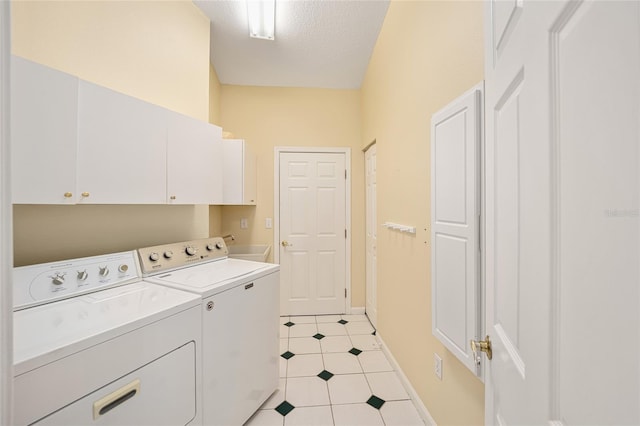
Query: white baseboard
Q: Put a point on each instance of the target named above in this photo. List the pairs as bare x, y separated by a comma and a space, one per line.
357, 310
422, 410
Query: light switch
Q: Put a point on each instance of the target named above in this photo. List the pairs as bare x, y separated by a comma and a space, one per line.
243, 223
268, 223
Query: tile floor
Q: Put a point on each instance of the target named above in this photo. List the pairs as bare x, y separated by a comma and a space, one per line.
332, 372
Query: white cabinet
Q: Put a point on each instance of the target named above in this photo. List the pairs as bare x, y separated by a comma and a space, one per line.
194, 161
239, 173
456, 134
76, 142
44, 117
122, 155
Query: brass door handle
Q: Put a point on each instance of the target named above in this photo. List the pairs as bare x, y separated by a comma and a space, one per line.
285, 243
481, 346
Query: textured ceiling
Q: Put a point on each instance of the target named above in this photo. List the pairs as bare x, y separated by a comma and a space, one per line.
318, 43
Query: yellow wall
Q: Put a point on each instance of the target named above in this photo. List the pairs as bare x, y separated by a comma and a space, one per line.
267, 117
214, 96
157, 51
215, 212
427, 54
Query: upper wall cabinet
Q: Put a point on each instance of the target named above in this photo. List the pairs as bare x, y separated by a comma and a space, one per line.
456, 134
75, 142
194, 162
239, 173
44, 117
122, 153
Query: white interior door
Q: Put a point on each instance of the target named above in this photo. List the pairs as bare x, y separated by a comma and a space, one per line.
562, 208
372, 235
313, 233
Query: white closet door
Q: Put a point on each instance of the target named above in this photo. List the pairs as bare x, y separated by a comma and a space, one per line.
455, 215
313, 241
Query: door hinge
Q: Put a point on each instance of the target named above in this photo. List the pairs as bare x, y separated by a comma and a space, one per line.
345, 173
345, 233
345, 293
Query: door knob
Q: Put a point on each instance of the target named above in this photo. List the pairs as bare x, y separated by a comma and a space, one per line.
286, 244
481, 346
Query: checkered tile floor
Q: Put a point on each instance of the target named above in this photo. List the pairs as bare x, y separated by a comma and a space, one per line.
332, 372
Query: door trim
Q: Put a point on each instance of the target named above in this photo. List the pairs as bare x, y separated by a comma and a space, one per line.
6, 220
276, 205
370, 283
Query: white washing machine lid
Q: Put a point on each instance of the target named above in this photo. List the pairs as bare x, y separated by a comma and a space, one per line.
213, 277
48, 332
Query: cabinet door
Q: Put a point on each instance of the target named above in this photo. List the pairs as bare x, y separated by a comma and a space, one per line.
194, 161
455, 233
239, 171
249, 190
44, 107
122, 152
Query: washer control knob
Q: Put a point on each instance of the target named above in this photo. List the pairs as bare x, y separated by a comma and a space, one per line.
103, 271
123, 268
209, 247
82, 275
190, 250
58, 279
154, 256
168, 254
219, 246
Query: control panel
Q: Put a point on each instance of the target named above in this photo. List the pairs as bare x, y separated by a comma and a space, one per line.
47, 282
168, 257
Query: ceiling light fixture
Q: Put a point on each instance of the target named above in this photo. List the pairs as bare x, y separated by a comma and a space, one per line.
262, 18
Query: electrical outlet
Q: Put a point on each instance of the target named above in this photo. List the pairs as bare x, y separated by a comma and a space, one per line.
437, 366
268, 223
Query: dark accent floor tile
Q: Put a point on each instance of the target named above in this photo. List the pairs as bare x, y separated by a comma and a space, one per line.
343, 322
355, 351
284, 408
375, 402
289, 324
325, 375
288, 355
319, 336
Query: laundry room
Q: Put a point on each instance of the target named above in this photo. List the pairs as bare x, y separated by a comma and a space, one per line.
423, 55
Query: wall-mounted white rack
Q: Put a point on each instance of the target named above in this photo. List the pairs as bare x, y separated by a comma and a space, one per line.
402, 228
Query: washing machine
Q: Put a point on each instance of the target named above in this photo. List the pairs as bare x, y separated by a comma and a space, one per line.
240, 322
94, 344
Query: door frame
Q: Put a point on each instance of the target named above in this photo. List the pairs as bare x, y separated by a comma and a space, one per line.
6, 230
370, 283
276, 205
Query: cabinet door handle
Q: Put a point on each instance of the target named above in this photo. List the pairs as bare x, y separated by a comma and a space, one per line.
85, 194
68, 194
115, 398
248, 286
